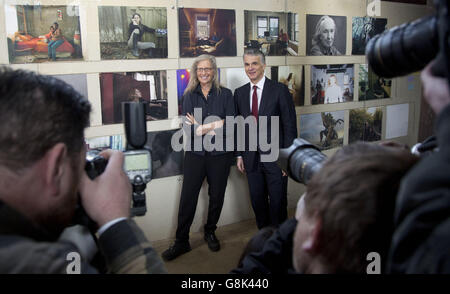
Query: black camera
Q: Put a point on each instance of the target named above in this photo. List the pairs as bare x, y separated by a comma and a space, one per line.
138, 161
301, 160
410, 47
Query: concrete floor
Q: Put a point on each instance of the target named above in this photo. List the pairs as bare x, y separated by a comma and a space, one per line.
200, 260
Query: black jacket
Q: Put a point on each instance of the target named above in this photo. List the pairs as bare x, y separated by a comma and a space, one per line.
28, 249
218, 105
276, 101
421, 240
276, 255
142, 29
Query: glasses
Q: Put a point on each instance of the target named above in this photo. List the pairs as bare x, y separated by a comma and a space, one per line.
204, 69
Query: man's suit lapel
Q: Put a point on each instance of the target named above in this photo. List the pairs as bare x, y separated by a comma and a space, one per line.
265, 96
246, 100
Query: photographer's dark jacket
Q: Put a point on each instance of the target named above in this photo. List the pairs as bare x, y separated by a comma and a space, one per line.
421, 240
216, 104
276, 255
26, 248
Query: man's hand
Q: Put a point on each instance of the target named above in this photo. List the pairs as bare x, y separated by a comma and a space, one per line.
108, 196
435, 89
240, 164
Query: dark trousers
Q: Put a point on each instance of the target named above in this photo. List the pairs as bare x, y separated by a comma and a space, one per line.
268, 193
196, 167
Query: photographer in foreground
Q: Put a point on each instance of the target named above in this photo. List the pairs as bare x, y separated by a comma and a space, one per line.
421, 241
42, 158
345, 214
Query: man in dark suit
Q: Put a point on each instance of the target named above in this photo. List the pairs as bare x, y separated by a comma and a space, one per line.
269, 100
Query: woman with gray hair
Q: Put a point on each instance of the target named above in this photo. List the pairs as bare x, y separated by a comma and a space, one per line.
323, 38
205, 105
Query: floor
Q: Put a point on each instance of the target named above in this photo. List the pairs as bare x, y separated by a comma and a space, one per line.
200, 260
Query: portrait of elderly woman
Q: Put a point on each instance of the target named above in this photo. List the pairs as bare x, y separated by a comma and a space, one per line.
326, 35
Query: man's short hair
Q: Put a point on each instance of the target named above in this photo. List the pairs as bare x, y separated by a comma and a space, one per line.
256, 52
354, 194
38, 112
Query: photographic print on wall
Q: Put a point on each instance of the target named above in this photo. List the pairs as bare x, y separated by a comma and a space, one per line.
115, 142
332, 83
165, 161
292, 77
207, 31
40, 33
149, 86
365, 124
397, 117
129, 32
364, 29
77, 81
274, 33
325, 130
235, 78
326, 35
371, 86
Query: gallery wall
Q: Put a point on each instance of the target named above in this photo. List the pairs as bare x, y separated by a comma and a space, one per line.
395, 117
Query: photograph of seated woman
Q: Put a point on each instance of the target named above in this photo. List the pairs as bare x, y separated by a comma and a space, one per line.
136, 31
55, 42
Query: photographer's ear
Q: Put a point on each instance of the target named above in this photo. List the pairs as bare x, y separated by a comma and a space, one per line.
312, 242
56, 162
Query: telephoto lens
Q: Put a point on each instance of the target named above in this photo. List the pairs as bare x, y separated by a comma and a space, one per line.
404, 49
301, 160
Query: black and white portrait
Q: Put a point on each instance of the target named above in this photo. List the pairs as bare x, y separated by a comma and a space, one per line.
326, 35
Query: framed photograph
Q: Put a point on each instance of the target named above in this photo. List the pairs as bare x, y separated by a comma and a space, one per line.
372, 86
397, 117
274, 33
207, 31
292, 77
235, 77
365, 124
364, 29
326, 35
129, 32
165, 161
115, 142
41, 33
149, 86
77, 81
332, 83
325, 130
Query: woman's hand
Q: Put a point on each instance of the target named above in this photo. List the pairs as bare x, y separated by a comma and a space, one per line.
190, 120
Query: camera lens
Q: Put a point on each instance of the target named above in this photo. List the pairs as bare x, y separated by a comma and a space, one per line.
404, 49
302, 160
305, 163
